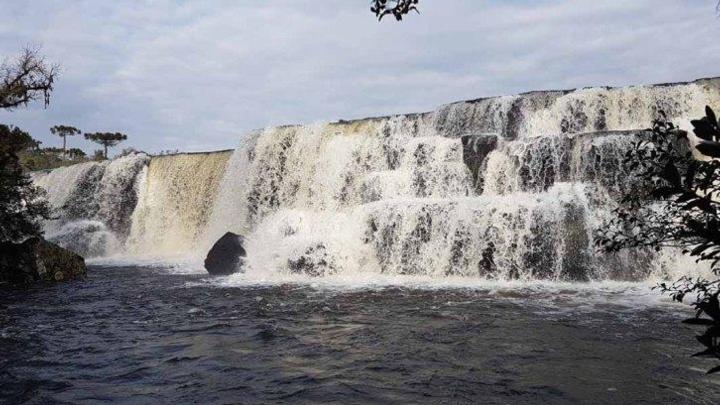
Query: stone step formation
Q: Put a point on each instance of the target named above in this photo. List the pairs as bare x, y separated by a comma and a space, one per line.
503, 188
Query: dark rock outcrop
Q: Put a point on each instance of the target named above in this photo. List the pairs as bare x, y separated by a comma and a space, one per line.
37, 260
226, 255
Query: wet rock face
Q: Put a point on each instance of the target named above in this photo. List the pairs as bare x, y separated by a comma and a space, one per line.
475, 150
93, 203
226, 255
37, 260
315, 262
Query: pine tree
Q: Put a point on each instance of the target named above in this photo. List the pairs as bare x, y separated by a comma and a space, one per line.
64, 131
106, 139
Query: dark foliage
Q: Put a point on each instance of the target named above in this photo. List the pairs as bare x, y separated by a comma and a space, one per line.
22, 205
75, 153
396, 8
679, 208
50, 158
25, 79
106, 139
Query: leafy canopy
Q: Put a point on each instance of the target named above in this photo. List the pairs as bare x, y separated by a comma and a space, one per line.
106, 139
64, 130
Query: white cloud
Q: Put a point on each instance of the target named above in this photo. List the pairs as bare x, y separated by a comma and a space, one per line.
192, 75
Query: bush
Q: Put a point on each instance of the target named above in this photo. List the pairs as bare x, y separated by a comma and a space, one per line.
678, 208
22, 204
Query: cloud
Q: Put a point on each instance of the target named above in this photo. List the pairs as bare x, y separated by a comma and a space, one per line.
198, 75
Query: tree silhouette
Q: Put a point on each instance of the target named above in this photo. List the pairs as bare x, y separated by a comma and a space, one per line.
22, 204
64, 131
106, 139
25, 79
677, 206
397, 8
76, 153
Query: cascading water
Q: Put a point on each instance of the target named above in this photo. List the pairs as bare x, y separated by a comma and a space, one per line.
502, 188
92, 203
176, 195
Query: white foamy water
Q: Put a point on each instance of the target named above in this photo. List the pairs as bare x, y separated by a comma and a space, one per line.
488, 191
92, 203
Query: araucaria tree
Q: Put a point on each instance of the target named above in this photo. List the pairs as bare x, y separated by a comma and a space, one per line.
106, 139
64, 131
22, 205
677, 206
27, 78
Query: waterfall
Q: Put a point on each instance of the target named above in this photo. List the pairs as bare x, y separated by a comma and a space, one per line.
92, 203
176, 196
502, 188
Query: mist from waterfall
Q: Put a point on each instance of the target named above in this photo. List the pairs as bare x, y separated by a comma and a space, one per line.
499, 188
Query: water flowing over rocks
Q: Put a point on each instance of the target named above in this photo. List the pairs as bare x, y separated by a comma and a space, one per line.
92, 203
175, 198
503, 188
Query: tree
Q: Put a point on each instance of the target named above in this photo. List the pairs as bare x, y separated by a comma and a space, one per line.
22, 205
398, 8
106, 139
64, 131
678, 207
98, 155
76, 153
27, 78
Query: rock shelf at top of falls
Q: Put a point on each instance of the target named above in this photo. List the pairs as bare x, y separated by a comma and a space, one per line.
505, 187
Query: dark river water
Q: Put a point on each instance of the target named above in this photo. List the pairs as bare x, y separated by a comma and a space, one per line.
146, 335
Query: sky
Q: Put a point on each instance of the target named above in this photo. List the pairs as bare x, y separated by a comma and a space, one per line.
198, 75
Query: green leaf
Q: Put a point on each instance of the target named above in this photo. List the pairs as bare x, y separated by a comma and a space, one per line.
705, 340
701, 203
705, 353
685, 197
671, 174
710, 115
698, 321
699, 249
704, 129
713, 331
709, 148
713, 370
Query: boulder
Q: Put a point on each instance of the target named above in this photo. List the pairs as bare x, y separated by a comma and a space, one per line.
37, 260
226, 255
